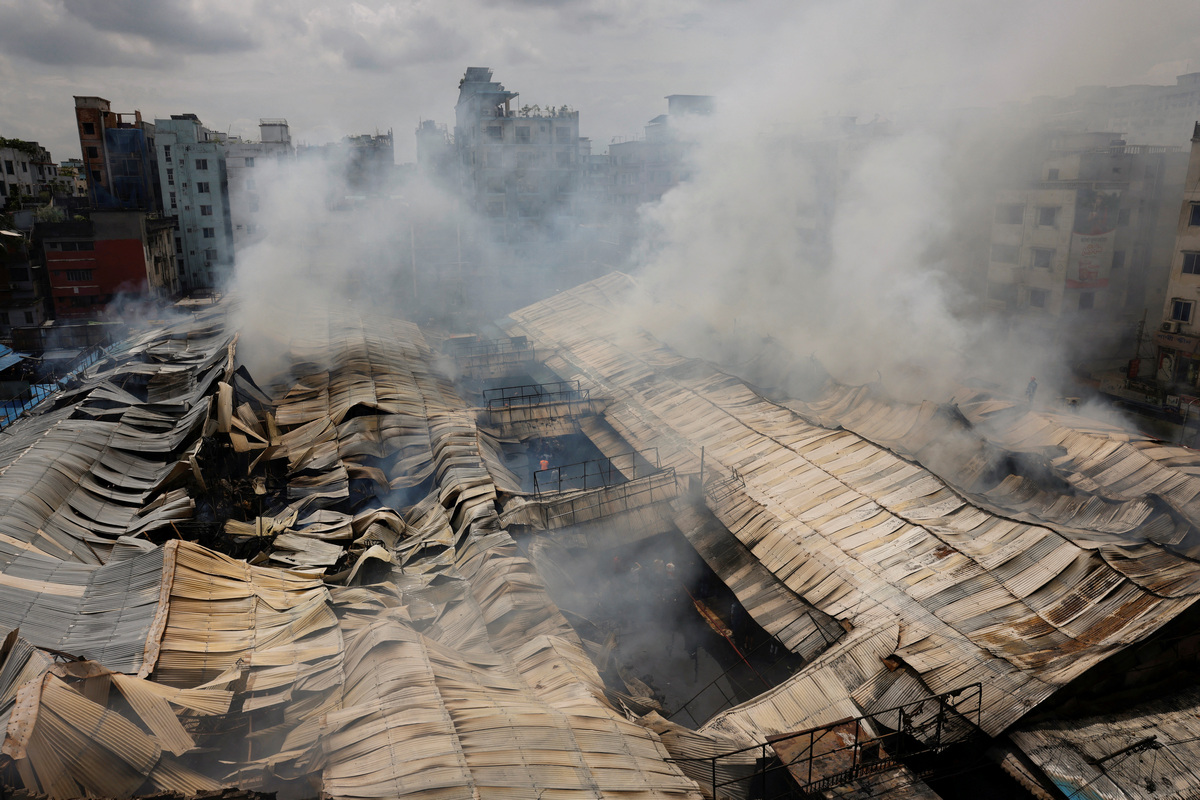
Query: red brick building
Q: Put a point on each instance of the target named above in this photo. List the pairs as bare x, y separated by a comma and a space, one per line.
91, 263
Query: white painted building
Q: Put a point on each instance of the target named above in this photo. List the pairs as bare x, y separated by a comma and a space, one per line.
195, 191
250, 166
26, 169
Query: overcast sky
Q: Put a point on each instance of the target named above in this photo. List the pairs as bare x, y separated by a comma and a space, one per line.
335, 68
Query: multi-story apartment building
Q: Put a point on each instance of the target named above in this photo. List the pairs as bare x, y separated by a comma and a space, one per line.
1161, 115
23, 292
250, 166
92, 262
195, 189
1177, 367
73, 177
118, 157
520, 168
26, 170
643, 170
1079, 252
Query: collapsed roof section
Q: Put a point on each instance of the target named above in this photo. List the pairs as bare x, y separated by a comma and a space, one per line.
144, 667
941, 588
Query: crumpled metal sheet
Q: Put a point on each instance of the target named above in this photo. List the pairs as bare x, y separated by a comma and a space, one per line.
867, 536
435, 683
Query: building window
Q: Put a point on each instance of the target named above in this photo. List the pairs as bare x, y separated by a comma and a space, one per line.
1003, 292
1123, 216
249, 161
1052, 175
89, 128
1118, 259
1191, 263
202, 187
1194, 219
8, 167
1038, 297
523, 134
1181, 310
28, 317
250, 183
1043, 257
254, 203
95, 176
1010, 214
79, 274
93, 152
171, 195
1048, 216
209, 233
167, 152
206, 211
201, 163
179, 246
170, 177
495, 131
1087, 300
4, 318
563, 157
1005, 253
251, 228
211, 254
562, 135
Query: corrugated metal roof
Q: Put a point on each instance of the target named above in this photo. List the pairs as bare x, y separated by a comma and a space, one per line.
878, 541
457, 676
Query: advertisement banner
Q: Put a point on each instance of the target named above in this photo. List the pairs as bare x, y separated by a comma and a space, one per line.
1092, 238
1091, 257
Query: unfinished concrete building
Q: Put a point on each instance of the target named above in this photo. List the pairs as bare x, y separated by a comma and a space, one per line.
413, 566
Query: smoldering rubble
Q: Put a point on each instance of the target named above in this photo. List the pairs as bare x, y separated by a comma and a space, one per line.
311, 584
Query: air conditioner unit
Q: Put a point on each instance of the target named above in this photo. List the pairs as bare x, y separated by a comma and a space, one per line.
1171, 326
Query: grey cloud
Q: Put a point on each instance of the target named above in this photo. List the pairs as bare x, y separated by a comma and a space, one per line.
173, 24
418, 41
39, 32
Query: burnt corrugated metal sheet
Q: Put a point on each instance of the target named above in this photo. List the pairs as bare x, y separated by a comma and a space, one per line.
455, 677
1090, 757
869, 537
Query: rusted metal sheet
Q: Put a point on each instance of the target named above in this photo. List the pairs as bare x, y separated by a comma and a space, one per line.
1022, 604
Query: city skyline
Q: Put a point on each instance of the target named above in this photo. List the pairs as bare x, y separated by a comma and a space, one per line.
338, 70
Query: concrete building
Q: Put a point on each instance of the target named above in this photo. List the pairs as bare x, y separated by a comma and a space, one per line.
1079, 252
1160, 115
118, 157
23, 292
248, 165
520, 168
73, 177
435, 152
26, 171
195, 189
1177, 365
645, 169
91, 263
359, 165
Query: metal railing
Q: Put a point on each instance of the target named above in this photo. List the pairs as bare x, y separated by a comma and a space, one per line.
597, 472
12, 408
721, 486
839, 753
574, 509
535, 394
